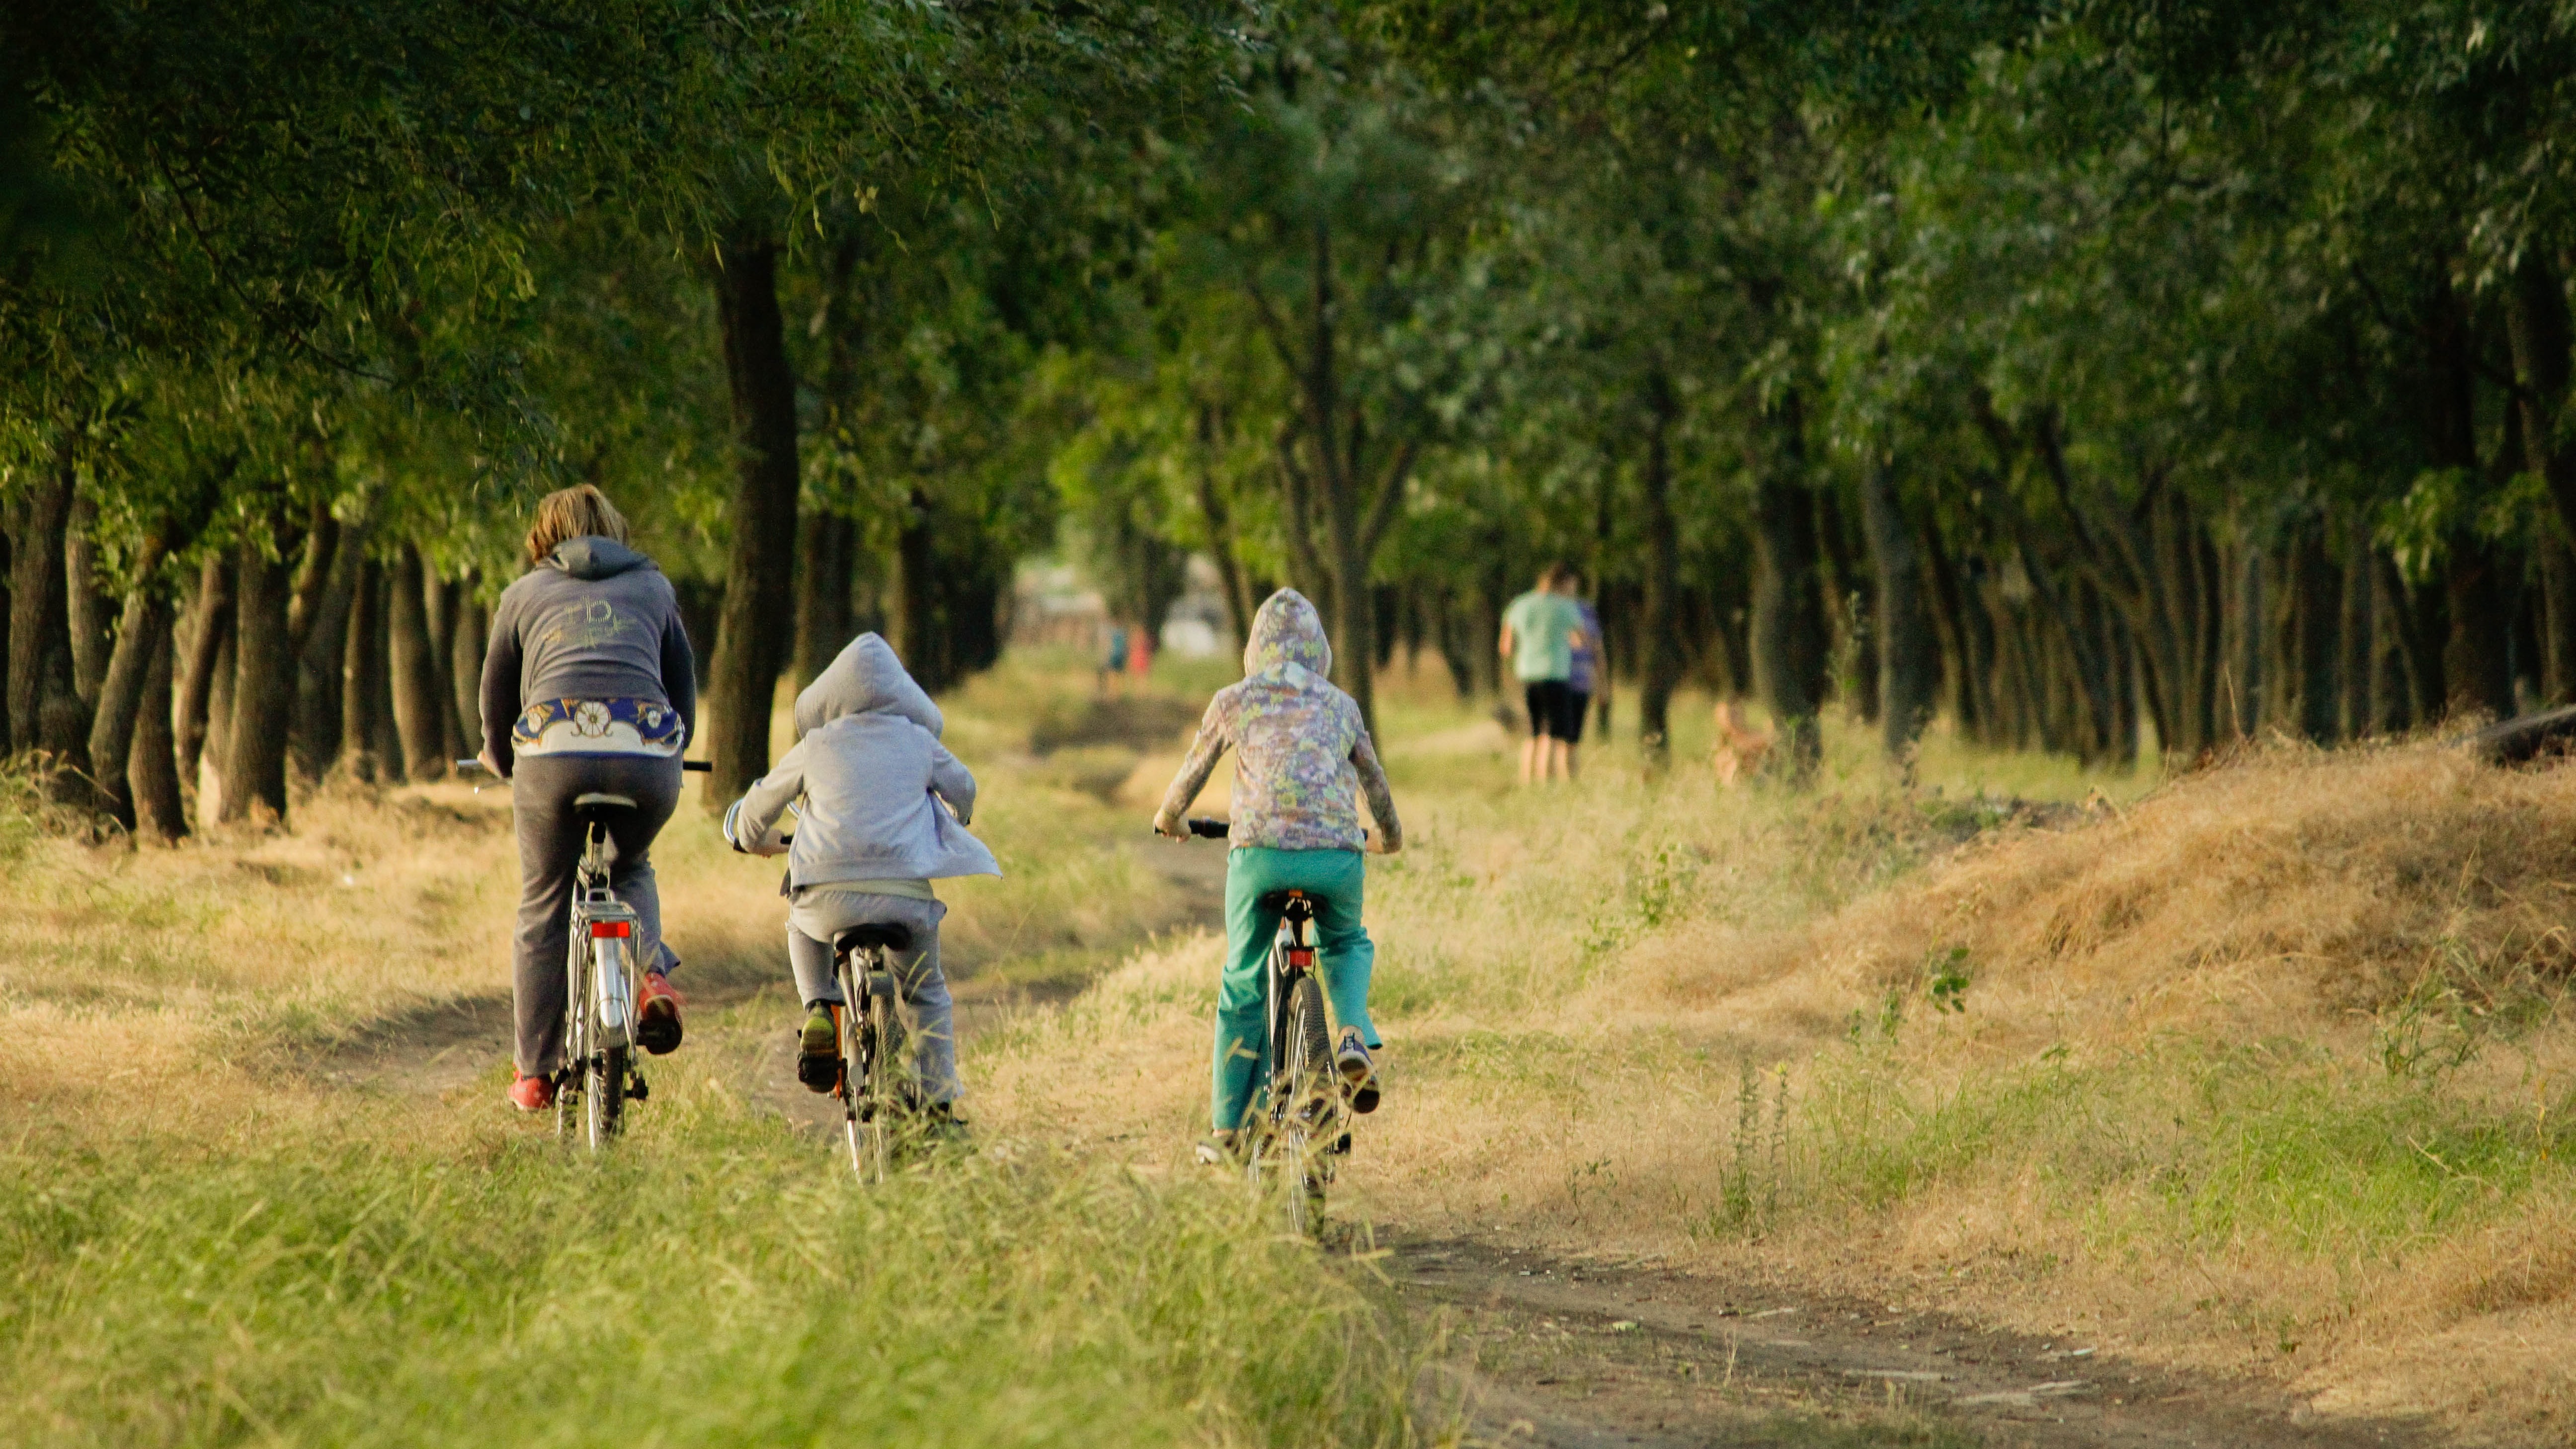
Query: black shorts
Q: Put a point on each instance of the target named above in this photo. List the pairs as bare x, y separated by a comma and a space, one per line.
1554, 710
1578, 703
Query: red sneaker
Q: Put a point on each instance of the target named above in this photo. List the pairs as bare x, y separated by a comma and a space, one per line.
657, 1015
531, 1094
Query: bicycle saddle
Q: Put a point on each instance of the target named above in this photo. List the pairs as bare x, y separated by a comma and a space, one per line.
597, 801
893, 935
1279, 900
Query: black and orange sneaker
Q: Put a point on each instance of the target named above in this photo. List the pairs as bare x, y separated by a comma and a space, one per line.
657, 1015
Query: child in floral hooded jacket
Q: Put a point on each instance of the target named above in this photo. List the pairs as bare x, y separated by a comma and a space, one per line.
1303, 760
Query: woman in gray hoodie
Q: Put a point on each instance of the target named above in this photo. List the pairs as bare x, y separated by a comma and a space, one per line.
588, 686
882, 810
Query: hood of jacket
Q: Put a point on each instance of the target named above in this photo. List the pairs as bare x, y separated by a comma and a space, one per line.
866, 679
1287, 630
593, 557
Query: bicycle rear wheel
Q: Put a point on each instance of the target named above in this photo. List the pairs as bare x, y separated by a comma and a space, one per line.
603, 1095
1299, 1104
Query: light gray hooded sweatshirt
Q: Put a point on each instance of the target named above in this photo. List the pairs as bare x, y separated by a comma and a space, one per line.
868, 777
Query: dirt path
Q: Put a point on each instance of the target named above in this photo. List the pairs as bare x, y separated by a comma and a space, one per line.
1555, 1353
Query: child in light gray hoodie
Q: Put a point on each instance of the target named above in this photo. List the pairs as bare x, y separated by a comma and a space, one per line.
882, 809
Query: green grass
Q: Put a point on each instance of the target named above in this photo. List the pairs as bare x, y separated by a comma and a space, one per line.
718, 1281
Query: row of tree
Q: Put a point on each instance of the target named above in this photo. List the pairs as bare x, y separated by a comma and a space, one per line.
2100, 373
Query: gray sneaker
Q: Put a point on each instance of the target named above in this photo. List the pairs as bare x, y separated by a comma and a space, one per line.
1359, 1074
1217, 1149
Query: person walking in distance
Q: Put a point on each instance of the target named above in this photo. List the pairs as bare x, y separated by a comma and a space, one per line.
1585, 671
1540, 631
588, 686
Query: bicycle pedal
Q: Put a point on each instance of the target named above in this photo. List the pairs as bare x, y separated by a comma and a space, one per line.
643, 1089
1341, 1146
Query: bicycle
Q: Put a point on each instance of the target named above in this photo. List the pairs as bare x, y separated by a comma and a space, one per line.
873, 1092
599, 1076
1305, 1121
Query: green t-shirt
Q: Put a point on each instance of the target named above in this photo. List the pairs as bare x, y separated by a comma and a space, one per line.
1542, 626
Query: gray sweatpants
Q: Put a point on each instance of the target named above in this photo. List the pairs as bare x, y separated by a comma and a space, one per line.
815, 916
542, 788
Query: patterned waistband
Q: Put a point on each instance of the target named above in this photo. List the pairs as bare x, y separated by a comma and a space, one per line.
599, 727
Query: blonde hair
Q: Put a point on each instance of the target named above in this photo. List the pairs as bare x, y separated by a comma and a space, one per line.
579, 512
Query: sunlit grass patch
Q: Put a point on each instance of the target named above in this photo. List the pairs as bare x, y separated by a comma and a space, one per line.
715, 1282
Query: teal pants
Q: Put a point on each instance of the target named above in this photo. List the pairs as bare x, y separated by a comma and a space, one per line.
1347, 957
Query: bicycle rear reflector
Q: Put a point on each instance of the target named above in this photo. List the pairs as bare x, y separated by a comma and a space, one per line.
1302, 960
612, 928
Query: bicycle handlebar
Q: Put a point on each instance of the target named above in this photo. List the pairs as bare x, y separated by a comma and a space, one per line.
1206, 829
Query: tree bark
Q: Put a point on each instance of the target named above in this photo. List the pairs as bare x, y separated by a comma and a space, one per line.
1219, 518
1659, 655
915, 615
2359, 622
210, 623
825, 546
465, 666
40, 657
1789, 644
85, 610
2537, 329
320, 660
756, 625
151, 770
440, 601
144, 622
418, 683
2318, 621
1909, 660
263, 691
363, 673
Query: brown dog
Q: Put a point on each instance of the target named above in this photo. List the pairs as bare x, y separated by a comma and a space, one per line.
1740, 748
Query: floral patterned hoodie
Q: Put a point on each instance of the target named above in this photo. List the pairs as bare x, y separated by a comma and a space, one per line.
1305, 757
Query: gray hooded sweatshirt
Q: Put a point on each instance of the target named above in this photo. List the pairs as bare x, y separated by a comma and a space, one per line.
595, 621
867, 775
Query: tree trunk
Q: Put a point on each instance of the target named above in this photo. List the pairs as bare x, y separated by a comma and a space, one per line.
440, 599
2359, 621
418, 683
2475, 664
915, 615
825, 545
151, 770
263, 691
218, 753
1849, 612
465, 667
139, 635
85, 610
40, 646
2318, 600
210, 623
2536, 327
1789, 644
321, 657
757, 623
363, 673
1909, 659
1219, 518
1659, 655
2557, 579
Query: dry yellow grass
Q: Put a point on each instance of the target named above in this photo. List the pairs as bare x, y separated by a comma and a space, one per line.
2264, 1073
